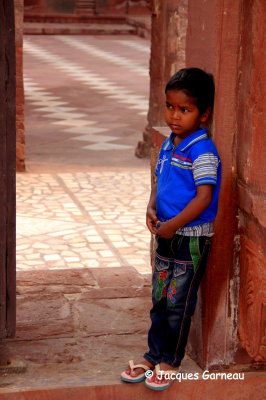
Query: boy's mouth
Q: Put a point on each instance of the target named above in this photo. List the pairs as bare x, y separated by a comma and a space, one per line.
175, 126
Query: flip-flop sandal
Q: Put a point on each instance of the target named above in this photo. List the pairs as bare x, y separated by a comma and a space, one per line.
127, 378
159, 385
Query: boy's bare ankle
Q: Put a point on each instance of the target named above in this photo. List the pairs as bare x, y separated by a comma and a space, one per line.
164, 366
146, 362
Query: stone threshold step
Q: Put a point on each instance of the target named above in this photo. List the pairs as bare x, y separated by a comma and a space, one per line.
73, 18
253, 387
32, 28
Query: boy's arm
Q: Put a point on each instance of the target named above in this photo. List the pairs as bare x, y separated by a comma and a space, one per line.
194, 208
151, 217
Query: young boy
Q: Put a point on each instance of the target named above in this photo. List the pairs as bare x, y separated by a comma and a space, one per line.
181, 210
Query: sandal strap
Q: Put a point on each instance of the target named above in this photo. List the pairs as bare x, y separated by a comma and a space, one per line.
133, 366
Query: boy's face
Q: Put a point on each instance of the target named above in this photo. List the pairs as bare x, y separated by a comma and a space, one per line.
182, 114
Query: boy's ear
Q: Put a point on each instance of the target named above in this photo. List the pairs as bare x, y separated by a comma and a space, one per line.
205, 116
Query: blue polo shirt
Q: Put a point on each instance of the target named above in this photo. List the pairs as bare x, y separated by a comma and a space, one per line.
195, 161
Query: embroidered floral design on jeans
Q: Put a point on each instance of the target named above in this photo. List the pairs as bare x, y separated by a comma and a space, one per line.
172, 292
161, 287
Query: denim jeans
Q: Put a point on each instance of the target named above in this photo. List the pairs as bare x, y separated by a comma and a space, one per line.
180, 264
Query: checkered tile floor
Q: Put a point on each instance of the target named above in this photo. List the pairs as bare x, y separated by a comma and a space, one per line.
82, 201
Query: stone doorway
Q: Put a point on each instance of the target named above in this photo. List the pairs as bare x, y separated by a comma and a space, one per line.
7, 171
82, 245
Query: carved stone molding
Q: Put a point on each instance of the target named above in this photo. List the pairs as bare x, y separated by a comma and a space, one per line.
252, 304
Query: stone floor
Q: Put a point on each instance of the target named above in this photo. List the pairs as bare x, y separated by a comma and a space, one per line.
77, 327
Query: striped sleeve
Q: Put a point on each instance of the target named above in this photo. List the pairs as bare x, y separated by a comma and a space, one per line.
205, 169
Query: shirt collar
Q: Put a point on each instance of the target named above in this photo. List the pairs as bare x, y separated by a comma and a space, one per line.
200, 134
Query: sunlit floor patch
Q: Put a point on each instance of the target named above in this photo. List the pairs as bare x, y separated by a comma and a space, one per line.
88, 219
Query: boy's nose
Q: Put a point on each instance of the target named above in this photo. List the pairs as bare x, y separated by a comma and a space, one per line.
176, 114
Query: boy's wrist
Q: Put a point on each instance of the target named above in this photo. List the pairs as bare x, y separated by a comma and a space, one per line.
173, 224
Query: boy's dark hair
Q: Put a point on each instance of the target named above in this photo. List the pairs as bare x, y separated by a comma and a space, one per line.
195, 83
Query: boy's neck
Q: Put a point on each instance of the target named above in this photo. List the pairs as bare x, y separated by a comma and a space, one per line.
178, 139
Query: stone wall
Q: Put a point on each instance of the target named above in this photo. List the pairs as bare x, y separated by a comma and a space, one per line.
124, 6
251, 182
69, 6
49, 6
20, 130
226, 38
213, 44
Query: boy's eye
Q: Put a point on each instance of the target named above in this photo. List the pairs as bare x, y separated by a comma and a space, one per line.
169, 106
184, 110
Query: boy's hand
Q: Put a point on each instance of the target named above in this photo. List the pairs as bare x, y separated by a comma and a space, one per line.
151, 220
165, 229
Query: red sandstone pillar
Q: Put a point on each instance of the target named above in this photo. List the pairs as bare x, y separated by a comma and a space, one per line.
217, 31
226, 38
168, 33
251, 182
213, 44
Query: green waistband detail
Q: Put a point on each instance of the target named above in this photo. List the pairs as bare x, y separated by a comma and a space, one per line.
194, 251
